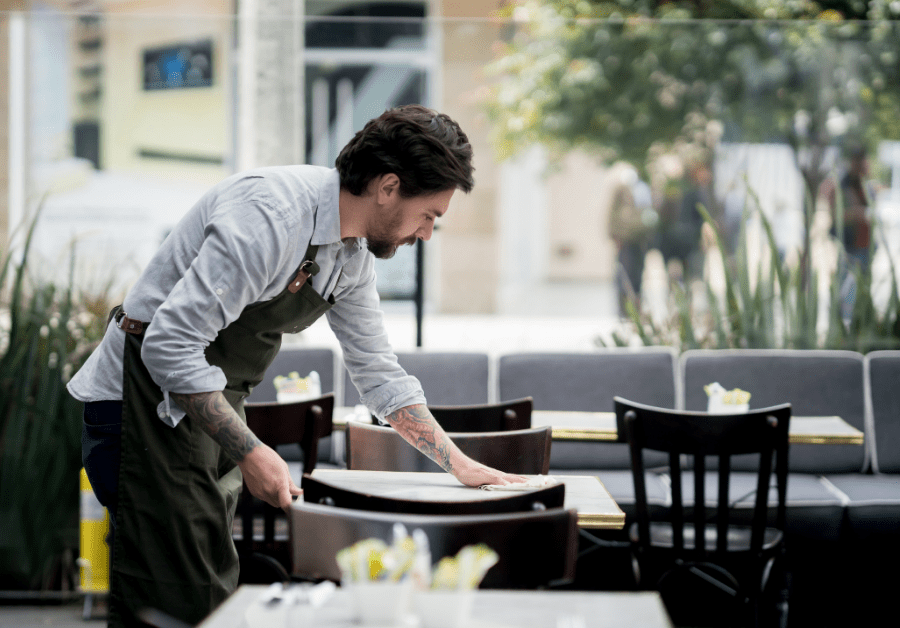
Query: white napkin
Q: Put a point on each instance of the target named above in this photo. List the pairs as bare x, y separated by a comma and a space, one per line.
538, 481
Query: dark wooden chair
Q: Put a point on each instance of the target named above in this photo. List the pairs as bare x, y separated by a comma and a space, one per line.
708, 554
380, 448
491, 417
316, 491
267, 559
535, 549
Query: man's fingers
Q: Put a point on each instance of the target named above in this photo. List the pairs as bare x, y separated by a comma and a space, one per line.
295, 490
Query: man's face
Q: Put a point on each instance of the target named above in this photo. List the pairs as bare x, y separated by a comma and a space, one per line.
405, 220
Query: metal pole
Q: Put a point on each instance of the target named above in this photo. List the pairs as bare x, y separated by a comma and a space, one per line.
420, 289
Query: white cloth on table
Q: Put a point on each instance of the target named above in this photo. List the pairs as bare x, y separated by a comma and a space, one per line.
538, 481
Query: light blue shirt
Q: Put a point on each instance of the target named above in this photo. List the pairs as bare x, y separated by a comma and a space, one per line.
241, 244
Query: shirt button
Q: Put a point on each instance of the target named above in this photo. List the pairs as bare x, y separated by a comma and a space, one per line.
219, 291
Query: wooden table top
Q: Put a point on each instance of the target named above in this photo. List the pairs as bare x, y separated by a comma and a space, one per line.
586, 494
601, 426
246, 608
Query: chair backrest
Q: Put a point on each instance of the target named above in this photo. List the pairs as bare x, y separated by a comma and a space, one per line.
300, 422
316, 491
535, 549
814, 382
447, 378
588, 382
300, 359
303, 423
493, 417
694, 437
379, 448
884, 376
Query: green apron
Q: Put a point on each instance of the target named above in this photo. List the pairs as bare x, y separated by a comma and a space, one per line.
178, 491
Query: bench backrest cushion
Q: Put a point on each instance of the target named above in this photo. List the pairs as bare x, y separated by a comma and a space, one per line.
814, 382
588, 382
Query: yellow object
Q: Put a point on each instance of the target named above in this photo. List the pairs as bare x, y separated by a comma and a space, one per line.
94, 558
736, 396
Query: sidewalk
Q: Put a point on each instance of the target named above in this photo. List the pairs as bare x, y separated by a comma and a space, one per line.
66, 615
564, 316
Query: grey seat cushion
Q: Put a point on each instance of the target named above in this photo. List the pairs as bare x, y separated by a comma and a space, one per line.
873, 503
447, 378
588, 382
815, 383
300, 359
814, 509
884, 377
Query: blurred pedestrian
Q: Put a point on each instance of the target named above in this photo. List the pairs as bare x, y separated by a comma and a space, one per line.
631, 219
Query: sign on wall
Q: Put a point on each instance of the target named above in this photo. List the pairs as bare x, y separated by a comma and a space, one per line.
179, 66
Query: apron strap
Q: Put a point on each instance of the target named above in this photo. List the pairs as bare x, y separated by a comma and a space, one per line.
128, 325
307, 270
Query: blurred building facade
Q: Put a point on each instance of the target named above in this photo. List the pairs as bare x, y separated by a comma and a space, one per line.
133, 108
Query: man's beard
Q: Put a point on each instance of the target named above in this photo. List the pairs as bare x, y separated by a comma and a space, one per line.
382, 243
385, 249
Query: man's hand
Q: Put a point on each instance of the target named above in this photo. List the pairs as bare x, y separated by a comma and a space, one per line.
418, 427
265, 472
479, 475
267, 477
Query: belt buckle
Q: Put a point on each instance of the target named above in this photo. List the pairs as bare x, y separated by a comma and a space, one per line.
134, 327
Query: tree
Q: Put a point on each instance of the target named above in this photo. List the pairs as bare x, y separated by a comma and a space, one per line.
637, 79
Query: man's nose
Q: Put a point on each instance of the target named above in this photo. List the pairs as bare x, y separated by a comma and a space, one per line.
425, 232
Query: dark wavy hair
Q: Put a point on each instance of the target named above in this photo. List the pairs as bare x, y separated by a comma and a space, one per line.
427, 150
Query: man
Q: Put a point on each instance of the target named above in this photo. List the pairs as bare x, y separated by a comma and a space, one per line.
631, 217
855, 198
265, 252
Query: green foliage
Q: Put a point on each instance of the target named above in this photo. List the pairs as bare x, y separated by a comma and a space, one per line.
772, 304
636, 80
44, 335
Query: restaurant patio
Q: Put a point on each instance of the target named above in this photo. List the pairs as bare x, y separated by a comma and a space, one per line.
669, 195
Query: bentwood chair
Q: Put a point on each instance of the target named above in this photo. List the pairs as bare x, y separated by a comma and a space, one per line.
317, 491
379, 448
301, 359
493, 417
266, 558
708, 553
817, 383
535, 549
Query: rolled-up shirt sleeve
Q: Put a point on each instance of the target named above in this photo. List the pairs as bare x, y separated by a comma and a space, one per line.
358, 324
241, 253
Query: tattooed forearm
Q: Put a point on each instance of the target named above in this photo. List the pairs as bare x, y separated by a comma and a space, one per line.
220, 421
417, 426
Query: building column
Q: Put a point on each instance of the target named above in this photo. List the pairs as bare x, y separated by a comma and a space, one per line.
13, 38
470, 243
270, 92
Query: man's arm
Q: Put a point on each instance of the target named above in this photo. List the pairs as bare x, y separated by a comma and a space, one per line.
265, 472
418, 427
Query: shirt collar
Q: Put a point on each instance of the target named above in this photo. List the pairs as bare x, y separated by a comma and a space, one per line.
328, 216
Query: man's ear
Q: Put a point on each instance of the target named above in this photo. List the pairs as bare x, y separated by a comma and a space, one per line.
388, 186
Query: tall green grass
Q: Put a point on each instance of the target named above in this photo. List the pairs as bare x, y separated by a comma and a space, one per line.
772, 304
45, 333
